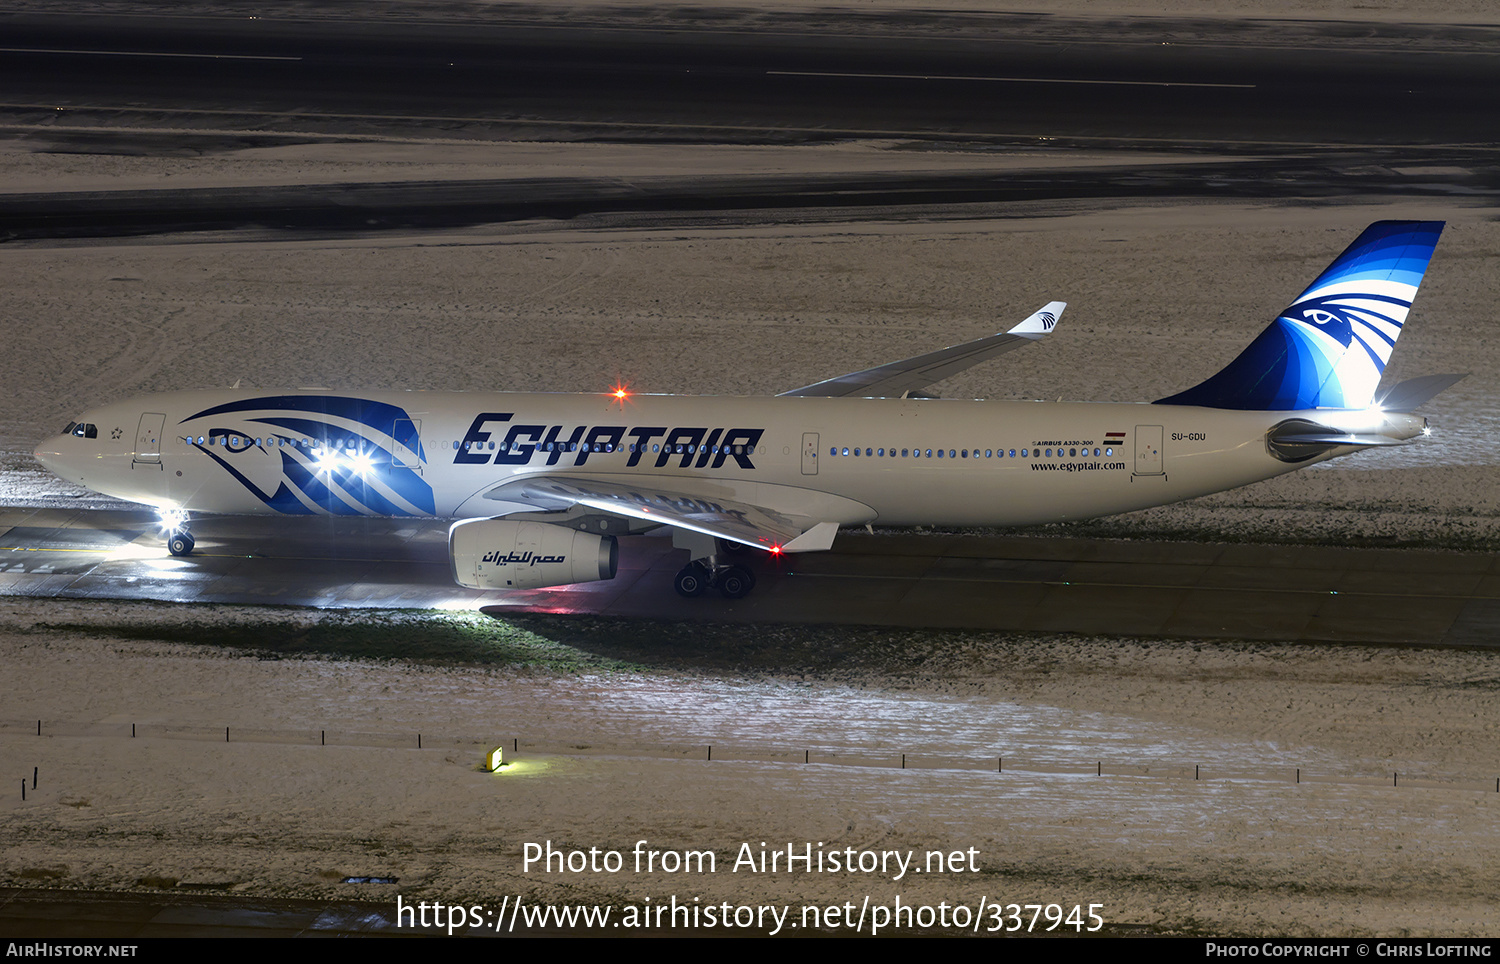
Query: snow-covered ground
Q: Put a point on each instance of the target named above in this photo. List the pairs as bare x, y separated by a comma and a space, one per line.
612, 757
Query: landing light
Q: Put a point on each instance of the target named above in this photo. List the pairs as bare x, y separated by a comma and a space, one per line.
171, 519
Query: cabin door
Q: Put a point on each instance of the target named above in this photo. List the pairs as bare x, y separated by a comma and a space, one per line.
809, 453
148, 438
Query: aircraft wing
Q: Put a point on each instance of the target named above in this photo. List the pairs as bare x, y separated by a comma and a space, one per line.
912, 374
724, 518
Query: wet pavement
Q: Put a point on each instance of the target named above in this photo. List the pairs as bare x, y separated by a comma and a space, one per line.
1011, 583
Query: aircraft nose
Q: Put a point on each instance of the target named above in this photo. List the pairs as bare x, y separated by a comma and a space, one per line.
49, 453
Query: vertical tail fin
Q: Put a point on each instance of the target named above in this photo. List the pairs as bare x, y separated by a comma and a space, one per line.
1329, 348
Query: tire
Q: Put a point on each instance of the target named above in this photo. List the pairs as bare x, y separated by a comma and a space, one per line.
180, 543
690, 581
736, 582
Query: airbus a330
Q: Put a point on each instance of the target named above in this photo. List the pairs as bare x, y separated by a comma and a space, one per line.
541, 485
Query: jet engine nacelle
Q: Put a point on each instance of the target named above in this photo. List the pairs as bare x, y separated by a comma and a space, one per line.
496, 554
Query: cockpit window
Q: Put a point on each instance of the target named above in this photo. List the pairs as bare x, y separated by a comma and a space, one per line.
82, 430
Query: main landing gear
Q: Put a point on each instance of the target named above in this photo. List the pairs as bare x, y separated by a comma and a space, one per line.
734, 582
705, 571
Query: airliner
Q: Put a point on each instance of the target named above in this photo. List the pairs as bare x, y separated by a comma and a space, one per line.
541, 486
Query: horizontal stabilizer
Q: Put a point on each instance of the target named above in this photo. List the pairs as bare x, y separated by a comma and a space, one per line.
911, 375
1412, 394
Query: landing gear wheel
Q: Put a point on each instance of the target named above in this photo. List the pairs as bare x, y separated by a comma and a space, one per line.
180, 543
691, 580
736, 582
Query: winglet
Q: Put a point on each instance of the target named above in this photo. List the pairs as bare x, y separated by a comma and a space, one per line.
1041, 322
817, 539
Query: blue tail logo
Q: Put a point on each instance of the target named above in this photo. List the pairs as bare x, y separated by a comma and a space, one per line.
1330, 347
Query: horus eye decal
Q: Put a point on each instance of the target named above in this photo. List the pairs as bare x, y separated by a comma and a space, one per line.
367, 459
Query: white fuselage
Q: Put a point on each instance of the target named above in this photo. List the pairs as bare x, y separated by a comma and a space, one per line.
434, 454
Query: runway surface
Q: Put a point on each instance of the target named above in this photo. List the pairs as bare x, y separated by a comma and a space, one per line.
1010, 583
1306, 109
797, 71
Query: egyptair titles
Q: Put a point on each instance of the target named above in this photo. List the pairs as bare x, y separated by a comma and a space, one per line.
692, 447
502, 558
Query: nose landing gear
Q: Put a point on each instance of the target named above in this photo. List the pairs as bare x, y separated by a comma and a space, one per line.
174, 523
180, 542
